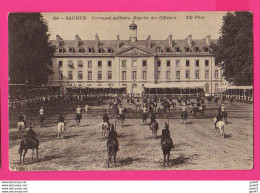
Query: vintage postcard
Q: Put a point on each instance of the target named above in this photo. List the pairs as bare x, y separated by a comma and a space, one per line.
131, 91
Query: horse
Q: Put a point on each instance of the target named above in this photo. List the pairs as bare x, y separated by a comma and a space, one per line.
61, 128
224, 114
21, 128
28, 144
198, 110
121, 117
112, 150
145, 116
220, 125
87, 109
104, 127
166, 148
154, 127
138, 105
78, 118
184, 116
41, 120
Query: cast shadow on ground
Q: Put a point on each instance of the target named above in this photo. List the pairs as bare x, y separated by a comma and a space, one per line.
126, 161
228, 136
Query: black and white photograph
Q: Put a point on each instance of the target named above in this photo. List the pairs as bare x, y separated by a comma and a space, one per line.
102, 91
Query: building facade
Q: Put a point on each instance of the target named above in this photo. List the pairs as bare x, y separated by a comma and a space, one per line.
135, 64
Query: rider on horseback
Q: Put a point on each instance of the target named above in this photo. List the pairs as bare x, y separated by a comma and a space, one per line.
41, 112
78, 111
106, 118
113, 136
61, 119
223, 107
183, 109
31, 135
166, 134
22, 118
219, 117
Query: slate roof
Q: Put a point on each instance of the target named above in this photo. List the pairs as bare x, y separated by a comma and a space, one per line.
119, 45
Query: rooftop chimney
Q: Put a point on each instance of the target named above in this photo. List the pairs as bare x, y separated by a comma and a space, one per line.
208, 40
149, 42
170, 41
118, 41
96, 40
77, 37
190, 40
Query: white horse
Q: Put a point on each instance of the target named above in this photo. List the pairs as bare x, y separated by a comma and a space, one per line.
104, 127
21, 128
61, 128
220, 125
87, 109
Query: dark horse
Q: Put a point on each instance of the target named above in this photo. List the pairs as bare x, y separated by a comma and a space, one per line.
154, 127
145, 116
28, 144
112, 150
198, 110
78, 118
41, 120
166, 148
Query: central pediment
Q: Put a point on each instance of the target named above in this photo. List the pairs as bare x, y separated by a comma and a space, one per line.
134, 51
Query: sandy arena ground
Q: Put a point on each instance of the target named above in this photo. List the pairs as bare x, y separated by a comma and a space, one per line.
198, 145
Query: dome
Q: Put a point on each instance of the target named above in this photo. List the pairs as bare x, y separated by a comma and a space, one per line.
133, 25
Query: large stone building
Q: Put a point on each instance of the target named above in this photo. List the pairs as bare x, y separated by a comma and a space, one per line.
135, 64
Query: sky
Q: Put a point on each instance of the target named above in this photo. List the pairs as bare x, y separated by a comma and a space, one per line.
177, 24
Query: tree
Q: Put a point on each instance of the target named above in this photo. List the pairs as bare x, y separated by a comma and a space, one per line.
30, 51
234, 49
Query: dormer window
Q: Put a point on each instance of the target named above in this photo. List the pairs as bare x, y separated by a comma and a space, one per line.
71, 50
90, 50
197, 49
206, 49
187, 49
177, 49
168, 50
61, 50
81, 50
100, 50
158, 50
109, 50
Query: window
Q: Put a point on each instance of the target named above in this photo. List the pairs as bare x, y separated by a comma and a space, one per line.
206, 74
100, 64
168, 75
90, 50
144, 75
178, 63
60, 75
178, 75
123, 75
80, 64
177, 49
158, 50
60, 50
134, 75
109, 75
207, 88
100, 50
89, 75
70, 75
124, 64
80, 75
134, 63
197, 50
206, 63
110, 50
89, 64
60, 64
168, 50
206, 49
216, 74
81, 50
109, 63
197, 63
70, 64
168, 63
158, 75
158, 64
187, 74
99, 75
216, 87
187, 63
144, 63
71, 50
197, 74
187, 49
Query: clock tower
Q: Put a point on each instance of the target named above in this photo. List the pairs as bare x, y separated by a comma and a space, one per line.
133, 32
